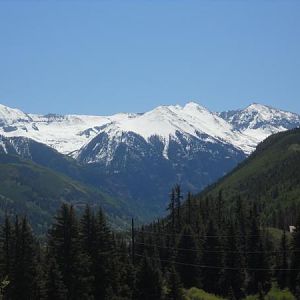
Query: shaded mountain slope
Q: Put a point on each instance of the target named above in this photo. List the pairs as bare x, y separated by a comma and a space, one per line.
28, 188
270, 175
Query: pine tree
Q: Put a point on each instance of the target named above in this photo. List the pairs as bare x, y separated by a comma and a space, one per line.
189, 209
233, 273
282, 274
6, 243
187, 254
175, 291
220, 207
65, 248
39, 284
149, 281
171, 209
178, 198
212, 258
6, 257
257, 261
54, 286
295, 264
126, 272
241, 225
231, 294
296, 287
23, 279
106, 260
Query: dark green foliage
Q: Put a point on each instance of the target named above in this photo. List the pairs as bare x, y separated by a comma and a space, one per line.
171, 209
7, 248
272, 174
296, 287
65, 248
283, 275
187, 253
234, 274
19, 260
175, 291
257, 259
37, 191
295, 264
212, 256
219, 241
104, 260
54, 286
149, 281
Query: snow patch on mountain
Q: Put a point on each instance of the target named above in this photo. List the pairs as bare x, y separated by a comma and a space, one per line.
69, 134
66, 133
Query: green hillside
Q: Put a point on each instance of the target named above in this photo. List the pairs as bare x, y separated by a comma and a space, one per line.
229, 240
270, 175
31, 189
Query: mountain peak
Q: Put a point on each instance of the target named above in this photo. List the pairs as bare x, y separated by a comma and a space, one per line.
258, 107
194, 106
10, 115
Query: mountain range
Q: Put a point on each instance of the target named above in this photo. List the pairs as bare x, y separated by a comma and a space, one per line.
139, 156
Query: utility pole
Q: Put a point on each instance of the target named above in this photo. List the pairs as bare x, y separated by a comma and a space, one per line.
132, 242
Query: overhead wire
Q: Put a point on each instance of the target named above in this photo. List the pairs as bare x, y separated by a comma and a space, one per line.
215, 251
219, 267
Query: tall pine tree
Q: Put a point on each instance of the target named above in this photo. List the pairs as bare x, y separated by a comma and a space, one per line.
187, 257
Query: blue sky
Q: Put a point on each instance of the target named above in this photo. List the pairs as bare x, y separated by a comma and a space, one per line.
102, 57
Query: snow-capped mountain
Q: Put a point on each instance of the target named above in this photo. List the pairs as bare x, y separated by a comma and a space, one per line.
243, 129
140, 156
259, 121
64, 133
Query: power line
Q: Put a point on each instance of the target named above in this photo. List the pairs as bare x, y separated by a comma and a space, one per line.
197, 235
215, 251
217, 267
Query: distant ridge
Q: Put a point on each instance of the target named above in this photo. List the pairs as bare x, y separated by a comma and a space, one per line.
139, 156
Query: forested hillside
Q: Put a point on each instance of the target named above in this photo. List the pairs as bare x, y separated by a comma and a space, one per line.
233, 239
30, 189
229, 242
270, 176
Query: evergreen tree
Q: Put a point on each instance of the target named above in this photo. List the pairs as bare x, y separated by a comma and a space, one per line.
296, 288
65, 248
212, 258
6, 254
187, 254
175, 291
295, 264
88, 232
189, 209
231, 294
105, 268
149, 281
23, 279
257, 262
220, 207
171, 209
126, 272
55, 288
241, 225
178, 198
6, 243
282, 274
233, 273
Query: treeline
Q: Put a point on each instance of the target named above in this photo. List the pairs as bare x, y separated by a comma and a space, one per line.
81, 259
223, 251
197, 245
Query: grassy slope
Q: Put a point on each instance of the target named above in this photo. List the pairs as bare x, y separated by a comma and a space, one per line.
274, 294
28, 188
